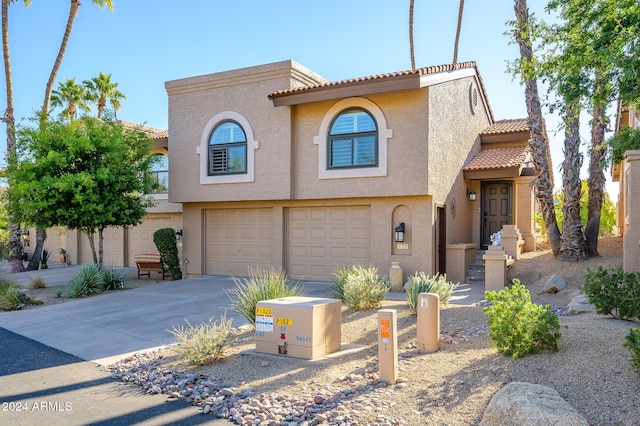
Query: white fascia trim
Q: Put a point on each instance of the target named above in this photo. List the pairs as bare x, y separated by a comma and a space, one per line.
202, 150
442, 77
384, 134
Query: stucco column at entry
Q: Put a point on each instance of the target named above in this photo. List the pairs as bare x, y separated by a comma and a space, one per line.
524, 208
631, 239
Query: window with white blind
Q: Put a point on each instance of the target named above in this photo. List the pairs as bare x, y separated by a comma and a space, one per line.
353, 140
227, 149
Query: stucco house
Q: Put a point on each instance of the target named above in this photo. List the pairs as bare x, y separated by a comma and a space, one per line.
274, 165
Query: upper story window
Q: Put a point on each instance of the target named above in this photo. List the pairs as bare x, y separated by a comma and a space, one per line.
160, 174
353, 140
227, 149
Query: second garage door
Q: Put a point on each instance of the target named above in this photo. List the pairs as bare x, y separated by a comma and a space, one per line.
238, 239
322, 238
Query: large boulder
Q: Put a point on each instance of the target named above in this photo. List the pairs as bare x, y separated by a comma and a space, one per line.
580, 304
553, 281
528, 404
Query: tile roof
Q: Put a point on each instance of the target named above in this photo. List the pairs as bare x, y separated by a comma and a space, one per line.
498, 158
507, 126
159, 134
388, 76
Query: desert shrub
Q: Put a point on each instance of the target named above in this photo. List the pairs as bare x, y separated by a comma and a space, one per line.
37, 282
165, 241
422, 283
262, 284
613, 292
632, 342
517, 326
360, 288
11, 297
88, 280
113, 278
205, 342
338, 279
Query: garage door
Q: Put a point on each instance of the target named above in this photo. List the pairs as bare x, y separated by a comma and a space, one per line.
113, 247
141, 237
322, 238
237, 239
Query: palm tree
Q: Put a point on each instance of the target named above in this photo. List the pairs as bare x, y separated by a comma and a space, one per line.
411, 51
41, 234
73, 11
70, 95
539, 142
15, 242
101, 88
455, 46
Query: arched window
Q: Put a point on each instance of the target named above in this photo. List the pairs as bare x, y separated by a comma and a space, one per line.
353, 140
227, 149
160, 174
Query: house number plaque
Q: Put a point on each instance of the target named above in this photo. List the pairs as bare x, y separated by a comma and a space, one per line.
402, 246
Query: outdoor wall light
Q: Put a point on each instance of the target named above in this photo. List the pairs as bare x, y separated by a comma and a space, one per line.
400, 233
179, 235
25, 235
471, 194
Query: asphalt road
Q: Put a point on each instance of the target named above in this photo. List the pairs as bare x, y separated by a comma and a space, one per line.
44, 386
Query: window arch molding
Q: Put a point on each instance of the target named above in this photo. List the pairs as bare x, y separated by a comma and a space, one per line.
384, 134
203, 150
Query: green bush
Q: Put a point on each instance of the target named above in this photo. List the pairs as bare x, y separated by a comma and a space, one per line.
260, 285
517, 326
44, 259
205, 342
113, 278
165, 241
89, 280
422, 283
632, 342
359, 287
613, 292
11, 297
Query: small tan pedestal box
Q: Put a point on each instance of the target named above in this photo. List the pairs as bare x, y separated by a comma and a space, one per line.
299, 327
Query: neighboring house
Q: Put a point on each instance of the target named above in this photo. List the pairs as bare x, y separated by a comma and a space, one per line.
627, 174
274, 165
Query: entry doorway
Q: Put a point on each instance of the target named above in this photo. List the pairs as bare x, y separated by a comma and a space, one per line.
496, 208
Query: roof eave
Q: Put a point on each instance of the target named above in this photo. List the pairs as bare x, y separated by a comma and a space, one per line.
343, 90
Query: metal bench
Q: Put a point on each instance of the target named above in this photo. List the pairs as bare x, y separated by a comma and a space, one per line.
148, 263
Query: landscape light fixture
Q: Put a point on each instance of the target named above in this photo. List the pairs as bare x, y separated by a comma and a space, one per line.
400, 233
179, 235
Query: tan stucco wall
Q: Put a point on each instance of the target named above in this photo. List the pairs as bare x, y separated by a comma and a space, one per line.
381, 226
631, 238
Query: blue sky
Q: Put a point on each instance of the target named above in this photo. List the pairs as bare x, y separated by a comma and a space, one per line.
144, 43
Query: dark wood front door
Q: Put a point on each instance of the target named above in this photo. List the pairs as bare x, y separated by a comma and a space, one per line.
496, 208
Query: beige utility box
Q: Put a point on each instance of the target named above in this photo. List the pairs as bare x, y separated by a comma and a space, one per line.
299, 327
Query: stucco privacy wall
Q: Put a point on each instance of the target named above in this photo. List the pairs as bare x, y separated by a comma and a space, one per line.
631, 240
195, 101
380, 225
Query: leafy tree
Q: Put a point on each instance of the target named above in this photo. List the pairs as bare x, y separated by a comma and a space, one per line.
86, 175
70, 95
102, 89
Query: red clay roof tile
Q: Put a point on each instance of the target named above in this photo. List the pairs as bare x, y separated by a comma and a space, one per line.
498, 158
507, 126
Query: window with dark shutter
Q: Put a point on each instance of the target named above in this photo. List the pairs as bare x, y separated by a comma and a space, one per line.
353, 140
227, 149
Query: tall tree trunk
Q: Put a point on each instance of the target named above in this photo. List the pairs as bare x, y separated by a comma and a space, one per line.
596, 179
411, 51
539, 142
15, 241
100, 246
92, 244
458, 28
573, 244
34, 263
73, 11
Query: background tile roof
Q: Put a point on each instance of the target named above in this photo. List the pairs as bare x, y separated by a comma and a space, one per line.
507, 126
498, 158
